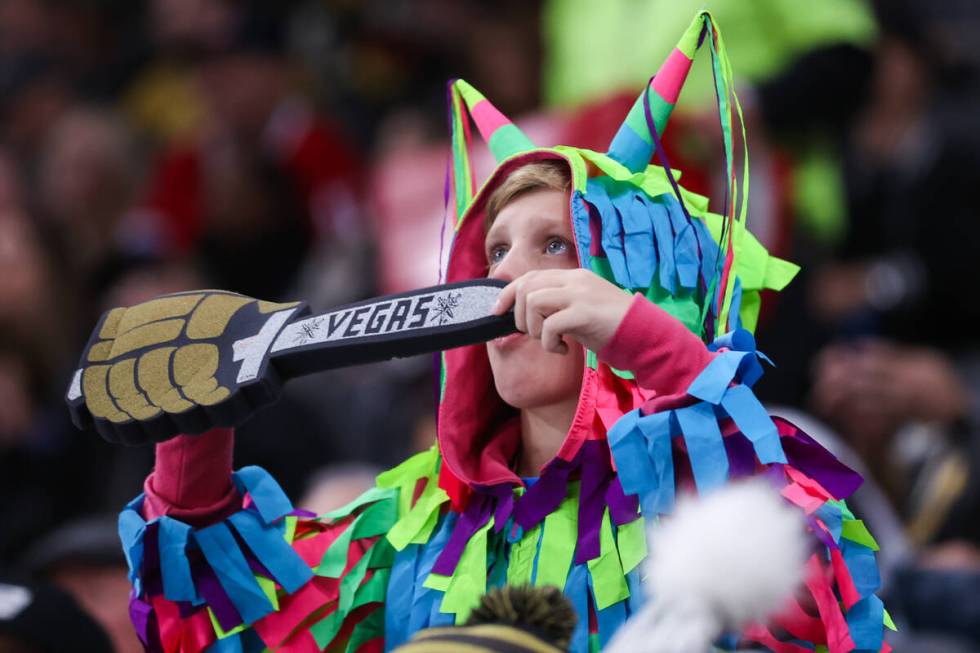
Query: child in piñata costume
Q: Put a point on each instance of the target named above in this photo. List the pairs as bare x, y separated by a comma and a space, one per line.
555, 448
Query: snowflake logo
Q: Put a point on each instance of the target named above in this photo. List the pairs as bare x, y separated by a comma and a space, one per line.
445, 306
308, 331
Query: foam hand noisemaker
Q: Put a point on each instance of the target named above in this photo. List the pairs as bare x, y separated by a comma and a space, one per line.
187, 362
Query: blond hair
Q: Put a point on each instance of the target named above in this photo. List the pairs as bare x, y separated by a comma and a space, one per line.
550, 174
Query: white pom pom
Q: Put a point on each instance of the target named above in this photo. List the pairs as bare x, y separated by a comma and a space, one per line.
721, 561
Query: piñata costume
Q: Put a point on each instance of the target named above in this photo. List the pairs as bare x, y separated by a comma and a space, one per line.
250, 573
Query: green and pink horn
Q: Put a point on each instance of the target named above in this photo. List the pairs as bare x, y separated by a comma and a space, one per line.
502, 136
633, 144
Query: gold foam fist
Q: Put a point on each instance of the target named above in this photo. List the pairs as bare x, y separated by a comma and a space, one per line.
166, 365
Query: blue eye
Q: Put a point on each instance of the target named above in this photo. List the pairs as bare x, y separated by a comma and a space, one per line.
496, 254
557, 246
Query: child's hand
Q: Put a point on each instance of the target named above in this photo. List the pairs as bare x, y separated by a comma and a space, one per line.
549, 304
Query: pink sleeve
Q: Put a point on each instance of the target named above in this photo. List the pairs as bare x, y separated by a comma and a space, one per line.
191, 480
662, 353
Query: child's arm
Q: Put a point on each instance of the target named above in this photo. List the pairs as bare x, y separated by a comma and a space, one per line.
660, 351
217, 556
191, 480
705, 412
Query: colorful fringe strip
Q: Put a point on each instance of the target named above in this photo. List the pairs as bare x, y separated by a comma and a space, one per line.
266, 577
604, 588
644, 237
728, 434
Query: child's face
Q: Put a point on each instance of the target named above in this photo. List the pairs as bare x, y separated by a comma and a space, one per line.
533, 232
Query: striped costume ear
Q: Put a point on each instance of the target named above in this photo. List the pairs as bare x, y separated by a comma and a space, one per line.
501, 135
633, 145
639, 137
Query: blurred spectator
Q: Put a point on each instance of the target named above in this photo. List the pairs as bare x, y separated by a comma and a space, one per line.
896, 293
37, 617
264, 177
34, 94
20, 385
83, 558
48, 471
28, 289
44, 466
87, 181
885, 299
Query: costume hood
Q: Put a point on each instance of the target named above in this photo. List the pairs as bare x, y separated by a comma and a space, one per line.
634, 225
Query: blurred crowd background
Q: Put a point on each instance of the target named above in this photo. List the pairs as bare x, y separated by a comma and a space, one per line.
297, 149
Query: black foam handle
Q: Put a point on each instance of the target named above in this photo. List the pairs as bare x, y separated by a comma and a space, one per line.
394, 326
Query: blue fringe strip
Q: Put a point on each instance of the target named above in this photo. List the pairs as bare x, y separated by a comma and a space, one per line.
409, 605
260, 527
651, 241
642, 444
